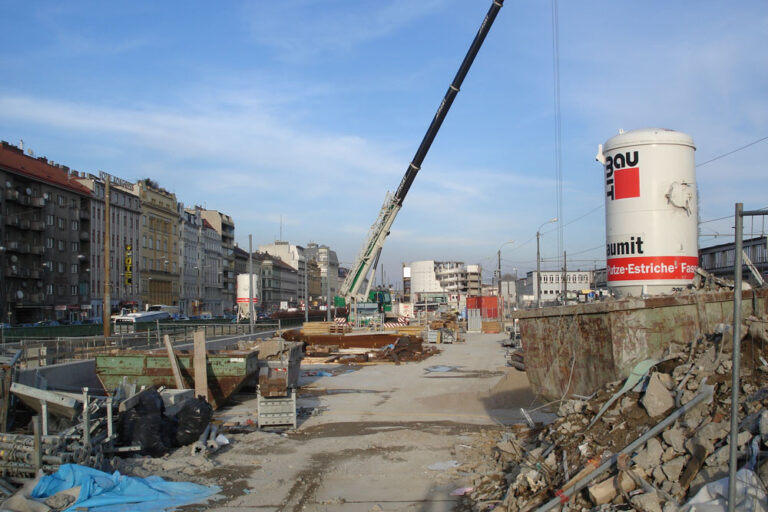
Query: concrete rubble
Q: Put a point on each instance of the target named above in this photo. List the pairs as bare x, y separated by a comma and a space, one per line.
527, 467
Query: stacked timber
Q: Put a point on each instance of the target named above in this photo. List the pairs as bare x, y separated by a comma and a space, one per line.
491, 327
310, 328
409, 330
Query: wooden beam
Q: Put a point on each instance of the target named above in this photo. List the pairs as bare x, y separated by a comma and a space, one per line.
174, 363
200, 365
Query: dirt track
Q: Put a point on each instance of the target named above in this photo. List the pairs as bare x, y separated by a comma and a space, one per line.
373, 435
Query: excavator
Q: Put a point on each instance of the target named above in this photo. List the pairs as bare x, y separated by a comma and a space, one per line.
355, 292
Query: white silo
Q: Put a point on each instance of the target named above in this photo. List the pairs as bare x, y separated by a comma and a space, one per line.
651, 211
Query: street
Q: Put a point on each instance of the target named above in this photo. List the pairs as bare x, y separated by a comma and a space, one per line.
374, 434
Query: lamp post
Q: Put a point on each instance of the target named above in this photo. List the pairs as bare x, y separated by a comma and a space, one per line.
501, 302
538, 262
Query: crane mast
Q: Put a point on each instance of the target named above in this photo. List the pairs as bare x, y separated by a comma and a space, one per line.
368, 257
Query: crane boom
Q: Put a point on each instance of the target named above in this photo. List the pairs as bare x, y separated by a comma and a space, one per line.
368, 257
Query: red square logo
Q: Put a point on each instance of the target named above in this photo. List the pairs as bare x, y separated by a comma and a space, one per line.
627, 182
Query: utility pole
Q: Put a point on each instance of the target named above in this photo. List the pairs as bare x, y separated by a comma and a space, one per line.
565, 280
250, 282
538, 271
500, 302
107, 303
306, 294
328, 288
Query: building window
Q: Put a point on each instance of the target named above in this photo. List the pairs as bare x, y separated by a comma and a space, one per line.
73, 290
49, 220
49, 243
151, 243
49, 289
60, 290
75, 246
75, 225
61, 244
60, 267
143, 220
62, 201
73, 268
62, 223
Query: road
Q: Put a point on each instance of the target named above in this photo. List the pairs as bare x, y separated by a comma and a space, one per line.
373, 434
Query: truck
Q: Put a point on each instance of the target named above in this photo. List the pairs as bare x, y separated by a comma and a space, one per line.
356, 288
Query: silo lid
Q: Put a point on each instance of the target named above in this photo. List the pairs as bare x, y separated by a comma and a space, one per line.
648, 136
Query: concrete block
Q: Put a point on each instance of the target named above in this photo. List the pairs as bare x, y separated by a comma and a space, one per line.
657, 399
650, 456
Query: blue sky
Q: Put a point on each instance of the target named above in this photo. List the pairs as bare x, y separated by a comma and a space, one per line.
310, 111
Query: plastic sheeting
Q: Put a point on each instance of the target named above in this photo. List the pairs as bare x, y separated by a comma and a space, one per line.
713, 497
102, 492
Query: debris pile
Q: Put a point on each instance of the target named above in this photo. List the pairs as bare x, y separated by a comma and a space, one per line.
649, 443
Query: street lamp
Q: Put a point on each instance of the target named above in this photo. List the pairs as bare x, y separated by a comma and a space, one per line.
538, 262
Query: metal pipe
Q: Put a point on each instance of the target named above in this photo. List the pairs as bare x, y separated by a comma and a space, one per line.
86, 419
732, 456
705, 393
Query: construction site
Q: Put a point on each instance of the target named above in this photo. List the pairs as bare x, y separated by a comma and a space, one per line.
650, 394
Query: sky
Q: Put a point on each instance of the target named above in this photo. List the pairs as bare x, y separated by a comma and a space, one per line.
304, 114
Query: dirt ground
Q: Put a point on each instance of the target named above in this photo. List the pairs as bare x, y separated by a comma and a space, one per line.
383, 437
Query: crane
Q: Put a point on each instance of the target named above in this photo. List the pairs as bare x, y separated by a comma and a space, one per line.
357, 284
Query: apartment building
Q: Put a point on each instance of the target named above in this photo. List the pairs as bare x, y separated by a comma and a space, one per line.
279, 282
159, 251
328, 262
293, 255
225, 227
125, 214
44, 240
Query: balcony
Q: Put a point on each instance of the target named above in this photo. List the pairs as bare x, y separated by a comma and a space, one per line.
37, 225
38, 202
12, 195
85, 236
37, 249
12, 220
25, 224
84, 214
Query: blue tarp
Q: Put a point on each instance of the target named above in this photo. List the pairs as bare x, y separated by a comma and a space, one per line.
102, 492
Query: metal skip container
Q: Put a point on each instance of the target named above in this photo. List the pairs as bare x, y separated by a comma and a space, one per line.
651, 211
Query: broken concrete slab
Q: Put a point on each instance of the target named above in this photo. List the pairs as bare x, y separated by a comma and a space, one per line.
675, 438
674, 468
646, 502
650, 456
657, 399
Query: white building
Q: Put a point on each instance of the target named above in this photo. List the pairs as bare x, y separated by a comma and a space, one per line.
328, 262
453, 278
552, 286
292, 255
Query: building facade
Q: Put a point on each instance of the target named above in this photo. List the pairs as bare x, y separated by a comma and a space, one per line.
159, 250
551, 286
44, 240
125, 214
719, 259
291, 254
328, 262
225, 227
453, 278
279, 283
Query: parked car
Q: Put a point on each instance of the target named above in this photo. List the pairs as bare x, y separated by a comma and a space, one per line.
47, 323
4, 325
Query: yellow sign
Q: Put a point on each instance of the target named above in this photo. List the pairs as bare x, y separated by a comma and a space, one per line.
128, 264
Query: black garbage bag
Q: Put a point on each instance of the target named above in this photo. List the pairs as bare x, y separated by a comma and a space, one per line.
192, 420
146, 425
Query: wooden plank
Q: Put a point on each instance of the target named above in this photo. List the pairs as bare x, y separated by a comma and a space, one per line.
200, 365
174, 363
